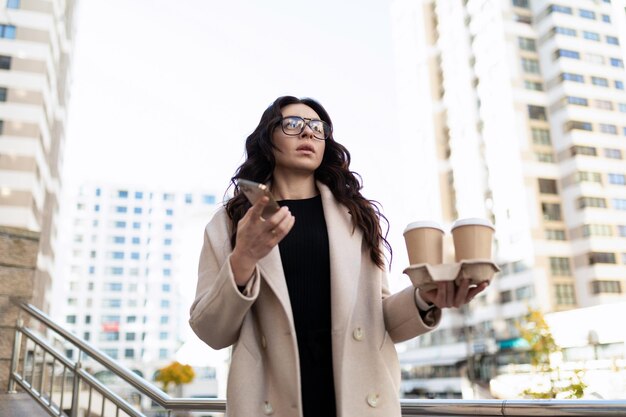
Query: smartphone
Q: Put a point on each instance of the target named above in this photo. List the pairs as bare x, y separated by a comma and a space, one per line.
253, 191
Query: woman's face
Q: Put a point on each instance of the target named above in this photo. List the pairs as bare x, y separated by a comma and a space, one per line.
303, 152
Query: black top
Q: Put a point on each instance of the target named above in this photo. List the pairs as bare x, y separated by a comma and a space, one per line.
305, 256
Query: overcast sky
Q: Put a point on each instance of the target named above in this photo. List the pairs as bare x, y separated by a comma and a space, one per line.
165, 93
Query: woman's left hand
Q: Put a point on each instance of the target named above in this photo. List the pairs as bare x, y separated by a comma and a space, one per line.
448, 294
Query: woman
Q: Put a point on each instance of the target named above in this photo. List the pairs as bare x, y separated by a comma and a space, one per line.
303, 295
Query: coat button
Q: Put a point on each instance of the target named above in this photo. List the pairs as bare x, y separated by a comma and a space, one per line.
267, 408
358, 334
373, 400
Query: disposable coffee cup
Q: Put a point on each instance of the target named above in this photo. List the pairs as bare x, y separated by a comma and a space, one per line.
472, 239
424, 242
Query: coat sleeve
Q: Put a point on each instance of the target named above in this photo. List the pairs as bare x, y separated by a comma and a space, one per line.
220, 307
403, 318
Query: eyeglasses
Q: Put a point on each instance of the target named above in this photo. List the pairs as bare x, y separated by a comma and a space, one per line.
294, 125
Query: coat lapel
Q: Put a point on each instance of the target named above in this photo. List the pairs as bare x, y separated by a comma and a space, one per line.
271, 268
345, 258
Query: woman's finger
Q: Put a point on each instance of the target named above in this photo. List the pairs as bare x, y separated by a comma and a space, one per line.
461, 293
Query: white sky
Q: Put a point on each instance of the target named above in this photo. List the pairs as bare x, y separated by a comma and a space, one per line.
166, 92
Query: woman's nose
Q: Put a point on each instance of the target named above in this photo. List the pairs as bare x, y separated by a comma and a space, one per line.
307, 132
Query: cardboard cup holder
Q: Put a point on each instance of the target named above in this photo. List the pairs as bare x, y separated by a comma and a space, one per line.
425, 276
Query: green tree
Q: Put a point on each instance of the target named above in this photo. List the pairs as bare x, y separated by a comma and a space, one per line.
543, 348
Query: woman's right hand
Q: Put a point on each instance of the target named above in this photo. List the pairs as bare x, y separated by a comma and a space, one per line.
256, 237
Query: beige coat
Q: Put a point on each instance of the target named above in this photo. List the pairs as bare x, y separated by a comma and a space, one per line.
264, 377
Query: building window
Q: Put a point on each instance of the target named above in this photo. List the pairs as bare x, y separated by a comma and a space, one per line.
597, 230
129, 353
587, 14
506, 297
113, 286
600, 81
621, 229
547, 186
578, 125
619, 85
71, 319
167, 226
592, 36
521, 3
566, 53
7, 31
119, 239
5, 62
564, 31
88, 319
579, 101
602, 258
530, 66
138, 195
165, 319
86, 336
613, 153
560, 266
135, 240
112, 353
586, 176
616, 62
612, 40
109, 336
583, 150
606, 287
551, 211
112, 302
136, 225
166, 287
568, 76
565, 294
121, 209
122, 194
541, 136
619, 204
524, 293
537, 112
167, 256
533, 85
606, 18
165, 303
163, 335
130, 336
131, 319
554, 234
168, 197
617, 179
603, 104
544, 157
527, 44
167, 272
163, 353
592, 202
610, 129
13, 4
167, 242
137, 210
208, 199
555, 8
3, 93
188, 198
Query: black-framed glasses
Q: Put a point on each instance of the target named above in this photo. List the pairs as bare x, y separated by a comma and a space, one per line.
294, 125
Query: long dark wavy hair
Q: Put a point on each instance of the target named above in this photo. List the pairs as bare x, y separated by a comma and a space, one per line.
334, 172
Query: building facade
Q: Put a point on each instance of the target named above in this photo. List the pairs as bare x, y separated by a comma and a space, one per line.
127, 281
35, 55
526, 118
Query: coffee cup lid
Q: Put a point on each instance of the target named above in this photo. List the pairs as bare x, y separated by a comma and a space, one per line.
477, 221
429, 224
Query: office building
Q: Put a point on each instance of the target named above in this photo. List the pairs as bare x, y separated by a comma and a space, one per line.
129, 270
35, 55
522, 106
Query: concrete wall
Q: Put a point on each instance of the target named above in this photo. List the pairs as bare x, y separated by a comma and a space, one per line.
18, 259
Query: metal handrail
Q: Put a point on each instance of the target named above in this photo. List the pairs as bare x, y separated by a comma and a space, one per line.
519, 408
